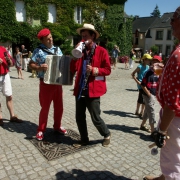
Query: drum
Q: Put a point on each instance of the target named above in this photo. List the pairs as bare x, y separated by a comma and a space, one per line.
58, 71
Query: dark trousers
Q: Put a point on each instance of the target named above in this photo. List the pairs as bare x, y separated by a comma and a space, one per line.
93, 106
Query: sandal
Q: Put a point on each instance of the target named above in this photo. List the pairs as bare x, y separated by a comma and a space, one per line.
144, 128
15, 119
140, 115
1, 122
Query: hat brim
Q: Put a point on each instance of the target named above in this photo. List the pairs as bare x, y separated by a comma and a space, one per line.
146, 58
79, 31
157, 59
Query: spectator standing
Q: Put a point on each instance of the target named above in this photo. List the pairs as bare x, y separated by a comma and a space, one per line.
90, 84
139, 55
28, 59
131, 59
18, 62
141, 70
29, 56
47, 92
149, 84
150, 52
5, 85
9, 50
126, 60
115, 53
24, 58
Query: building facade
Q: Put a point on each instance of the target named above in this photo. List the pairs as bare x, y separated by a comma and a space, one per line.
153, 31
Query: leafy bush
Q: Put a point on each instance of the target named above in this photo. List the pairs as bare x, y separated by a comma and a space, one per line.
114, 28
110, 46
154, 49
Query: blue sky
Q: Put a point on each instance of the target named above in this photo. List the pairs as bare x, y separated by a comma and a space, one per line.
144, 8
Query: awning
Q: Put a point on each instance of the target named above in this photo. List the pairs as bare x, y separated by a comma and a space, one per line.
136, 49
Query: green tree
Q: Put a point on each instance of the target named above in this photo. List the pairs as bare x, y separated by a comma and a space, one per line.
156, 12
154, 49
115, 28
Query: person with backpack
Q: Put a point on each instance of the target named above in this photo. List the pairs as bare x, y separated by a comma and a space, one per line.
47, 92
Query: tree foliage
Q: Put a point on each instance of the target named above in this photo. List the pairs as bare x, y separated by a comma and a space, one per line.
154, 49
156, 12
113, 29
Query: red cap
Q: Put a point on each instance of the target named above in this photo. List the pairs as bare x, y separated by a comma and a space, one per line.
157, 58
43, 33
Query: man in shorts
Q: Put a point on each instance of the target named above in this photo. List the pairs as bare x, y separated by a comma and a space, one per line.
5, 84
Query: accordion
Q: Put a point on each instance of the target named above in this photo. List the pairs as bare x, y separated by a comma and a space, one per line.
58, 71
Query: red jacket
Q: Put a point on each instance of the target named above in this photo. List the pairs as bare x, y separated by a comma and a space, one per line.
4, 66
96, 84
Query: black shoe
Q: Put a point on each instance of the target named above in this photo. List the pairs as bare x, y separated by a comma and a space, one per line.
1, 122
140, 115
80, 143
106, 141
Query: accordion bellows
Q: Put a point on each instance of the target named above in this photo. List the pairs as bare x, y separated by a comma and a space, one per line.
58, 71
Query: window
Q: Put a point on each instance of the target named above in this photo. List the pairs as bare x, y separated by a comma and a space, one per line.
51, 13
78, 15
159, 35
20, 11
169, 34
165, 20
159, 48
141, 36
136, 41
102, 15
168, 50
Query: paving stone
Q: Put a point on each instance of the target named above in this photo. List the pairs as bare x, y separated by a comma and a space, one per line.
42, 173
128, 155
22, 176
2, 174
13, 177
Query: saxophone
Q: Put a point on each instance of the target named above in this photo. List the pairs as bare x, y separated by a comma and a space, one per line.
89, 63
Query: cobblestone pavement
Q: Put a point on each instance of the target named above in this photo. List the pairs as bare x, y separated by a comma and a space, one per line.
127, 157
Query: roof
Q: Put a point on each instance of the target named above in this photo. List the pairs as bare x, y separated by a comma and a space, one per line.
164, 21
143, 23
126, 16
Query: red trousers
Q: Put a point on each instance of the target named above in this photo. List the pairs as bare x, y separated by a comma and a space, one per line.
47, 94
